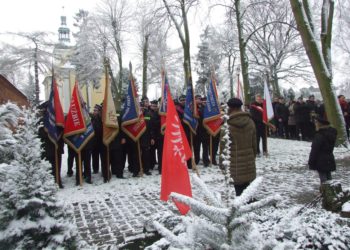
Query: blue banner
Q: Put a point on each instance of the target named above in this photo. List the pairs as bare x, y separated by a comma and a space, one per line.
51, 126
130, 107
191, 114
211, 109
211, 115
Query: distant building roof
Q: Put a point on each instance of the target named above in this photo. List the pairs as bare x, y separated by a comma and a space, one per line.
10, 93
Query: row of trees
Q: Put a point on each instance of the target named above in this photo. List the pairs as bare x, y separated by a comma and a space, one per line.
257, 38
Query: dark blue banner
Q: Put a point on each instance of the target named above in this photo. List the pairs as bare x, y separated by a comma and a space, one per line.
211, 109
130, 108
50, 124
190, 115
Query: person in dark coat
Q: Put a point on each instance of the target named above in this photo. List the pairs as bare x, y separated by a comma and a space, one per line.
117, 152
97, 145
243, 146
49, 148
256, 112
158, 138
147, 137
282, 115
345, 108
180, 109
321, 157
302, 118
313, 111
201, 139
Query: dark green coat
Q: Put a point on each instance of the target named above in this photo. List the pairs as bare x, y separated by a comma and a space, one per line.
243, 147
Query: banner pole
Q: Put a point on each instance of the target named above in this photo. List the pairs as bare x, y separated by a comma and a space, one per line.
194, 167
80, 170
211, 150
140, 159
56, 166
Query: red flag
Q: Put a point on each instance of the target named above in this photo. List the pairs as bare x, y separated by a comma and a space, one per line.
176, 152
75, 122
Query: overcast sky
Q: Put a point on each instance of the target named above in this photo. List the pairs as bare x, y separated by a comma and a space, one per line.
42, 15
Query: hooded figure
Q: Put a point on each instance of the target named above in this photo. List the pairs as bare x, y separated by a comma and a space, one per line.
321, 157
243, 146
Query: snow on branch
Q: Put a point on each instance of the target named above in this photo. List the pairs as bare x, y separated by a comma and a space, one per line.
213, 200
218, 215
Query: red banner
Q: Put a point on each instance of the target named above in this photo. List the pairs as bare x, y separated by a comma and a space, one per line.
176, 152
75, 122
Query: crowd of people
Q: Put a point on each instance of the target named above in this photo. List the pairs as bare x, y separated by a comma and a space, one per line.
123, 150
295, 120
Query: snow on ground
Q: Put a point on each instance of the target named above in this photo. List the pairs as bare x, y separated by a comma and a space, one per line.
284, 170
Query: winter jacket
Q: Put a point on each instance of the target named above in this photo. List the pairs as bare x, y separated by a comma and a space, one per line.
243, 147
321, 156
282, 112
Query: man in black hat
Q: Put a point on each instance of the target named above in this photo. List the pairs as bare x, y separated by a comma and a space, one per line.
243, 146
202, 137
157, 140
97, 147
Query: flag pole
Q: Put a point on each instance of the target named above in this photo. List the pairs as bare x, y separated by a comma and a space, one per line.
56, 166
211, 150
80, 170
194, 166
140, 160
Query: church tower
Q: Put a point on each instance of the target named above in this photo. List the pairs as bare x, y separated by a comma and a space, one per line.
63, 31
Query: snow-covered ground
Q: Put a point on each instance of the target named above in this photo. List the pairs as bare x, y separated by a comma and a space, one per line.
129, 202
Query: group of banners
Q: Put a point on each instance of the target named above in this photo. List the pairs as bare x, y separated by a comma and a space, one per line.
77, 128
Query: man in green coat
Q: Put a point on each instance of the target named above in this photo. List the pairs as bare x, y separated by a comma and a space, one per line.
243, 146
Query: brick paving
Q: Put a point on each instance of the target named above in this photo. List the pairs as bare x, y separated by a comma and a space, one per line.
116, 220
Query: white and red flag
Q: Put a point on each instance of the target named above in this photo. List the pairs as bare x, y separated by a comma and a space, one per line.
240, 93
176, 152
267, 105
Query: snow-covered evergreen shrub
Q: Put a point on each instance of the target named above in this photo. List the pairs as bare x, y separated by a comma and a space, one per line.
212, 224
9, 114
30, 215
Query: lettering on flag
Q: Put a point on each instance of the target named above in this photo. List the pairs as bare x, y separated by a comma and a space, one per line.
176, 151
78, 127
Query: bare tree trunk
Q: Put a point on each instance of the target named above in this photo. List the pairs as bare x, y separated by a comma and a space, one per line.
321, 63
145, 66
230, 68
36, 75
184, 37
243, 54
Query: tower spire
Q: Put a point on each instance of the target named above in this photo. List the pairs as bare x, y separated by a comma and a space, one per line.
63, 30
